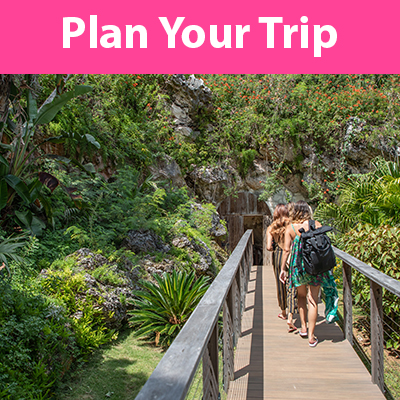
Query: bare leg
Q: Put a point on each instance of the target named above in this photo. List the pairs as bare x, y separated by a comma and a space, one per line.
291, 303
312, 311
302, 306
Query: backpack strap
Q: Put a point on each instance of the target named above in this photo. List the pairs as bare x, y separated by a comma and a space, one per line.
311, 224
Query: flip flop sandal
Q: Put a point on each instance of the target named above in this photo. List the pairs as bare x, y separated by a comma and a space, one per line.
291, 328
314, 343
281, 316
303, 334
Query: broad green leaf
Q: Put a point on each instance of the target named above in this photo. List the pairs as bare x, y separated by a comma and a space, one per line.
3, 171
4, 161
89, 168
7, 147
31, 107
55, 139
19, 186
31, 222
92, 140
3, 194
24, 217
11, 125
50, 110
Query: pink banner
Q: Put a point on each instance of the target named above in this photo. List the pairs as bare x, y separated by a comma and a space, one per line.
200, 37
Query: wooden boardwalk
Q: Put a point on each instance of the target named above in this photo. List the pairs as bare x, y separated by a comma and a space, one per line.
273, 364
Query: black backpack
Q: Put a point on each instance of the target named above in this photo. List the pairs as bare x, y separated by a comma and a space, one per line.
318, 255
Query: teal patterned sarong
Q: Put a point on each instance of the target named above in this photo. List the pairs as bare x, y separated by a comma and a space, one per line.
326, 280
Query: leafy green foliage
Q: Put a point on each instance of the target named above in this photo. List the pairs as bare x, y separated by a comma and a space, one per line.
36, 347
367, 219
378, 246
68, 288
163, 307
106, 274
373, 198
17, 165
123, 126
246, 161
9, 250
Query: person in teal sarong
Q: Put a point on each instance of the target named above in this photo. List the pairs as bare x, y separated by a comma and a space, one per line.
307, 285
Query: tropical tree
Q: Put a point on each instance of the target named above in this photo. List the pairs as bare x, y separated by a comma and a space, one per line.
162, 308
19, 122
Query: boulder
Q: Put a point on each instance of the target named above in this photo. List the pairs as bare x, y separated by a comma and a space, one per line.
166, 168
211, 183
110, 295
144, 241
204, 265
187, 97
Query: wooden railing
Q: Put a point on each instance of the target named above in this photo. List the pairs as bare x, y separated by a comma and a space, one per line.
198, 339
378, 280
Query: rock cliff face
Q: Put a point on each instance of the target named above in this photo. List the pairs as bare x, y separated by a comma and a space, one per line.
190, 98
187, 98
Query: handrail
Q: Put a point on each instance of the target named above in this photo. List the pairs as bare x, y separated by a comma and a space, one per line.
378, 280
199, 337
373, 274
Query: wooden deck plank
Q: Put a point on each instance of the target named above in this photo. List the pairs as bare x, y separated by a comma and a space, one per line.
273, 364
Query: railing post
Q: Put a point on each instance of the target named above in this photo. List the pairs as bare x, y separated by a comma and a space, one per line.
233, 300
376, 335
238, 299
210, 367
347, 303
228, 340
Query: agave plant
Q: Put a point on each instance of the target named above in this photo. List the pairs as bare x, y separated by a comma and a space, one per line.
162, 308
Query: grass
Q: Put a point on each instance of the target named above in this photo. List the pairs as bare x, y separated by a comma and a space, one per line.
118, 371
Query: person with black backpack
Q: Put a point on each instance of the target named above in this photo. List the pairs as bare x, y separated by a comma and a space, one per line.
318, 258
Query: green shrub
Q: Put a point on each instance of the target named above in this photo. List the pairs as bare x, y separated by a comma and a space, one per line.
247, 158
36, 346
68, 288
106, 274
380, 248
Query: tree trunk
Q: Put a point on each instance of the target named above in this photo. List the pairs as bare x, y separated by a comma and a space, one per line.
5, 83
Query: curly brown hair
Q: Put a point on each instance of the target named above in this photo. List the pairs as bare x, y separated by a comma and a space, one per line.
302, 212
281, 220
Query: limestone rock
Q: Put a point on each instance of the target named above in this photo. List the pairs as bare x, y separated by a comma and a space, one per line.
144, 241
204, 264
211, 183
186, 98
109, 295
87, 260
217, 228
166, 168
